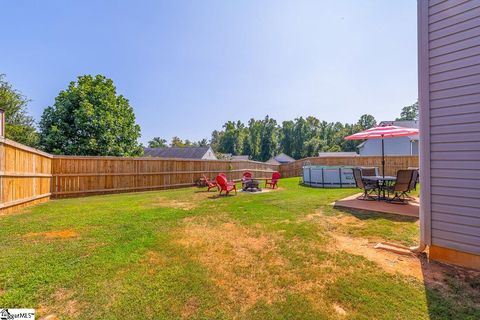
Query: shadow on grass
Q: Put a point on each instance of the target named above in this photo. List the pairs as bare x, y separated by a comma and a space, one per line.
205, 191
369, 215
220, 196
451, 292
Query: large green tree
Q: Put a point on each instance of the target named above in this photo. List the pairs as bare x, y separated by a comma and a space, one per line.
201, 143
216, 139
287, 137
232, 139
366, 121
19, 126
409, 112
177, 142
268, 143
300, 137
90, 118
157, 142
253, 137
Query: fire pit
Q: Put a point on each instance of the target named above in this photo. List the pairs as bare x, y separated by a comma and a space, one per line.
251, 186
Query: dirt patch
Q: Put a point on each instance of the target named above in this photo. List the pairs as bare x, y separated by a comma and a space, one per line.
189, 309
153, 260
248, 265
183, 204
338, 309
175, 203
431, 273
388, 261
251, 265
345, 220
61, 234
243, 262
318, 214
153, 257
342, 220
63, 304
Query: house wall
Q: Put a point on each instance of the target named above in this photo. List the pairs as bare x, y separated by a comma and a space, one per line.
393, 146
449, 97
415, 147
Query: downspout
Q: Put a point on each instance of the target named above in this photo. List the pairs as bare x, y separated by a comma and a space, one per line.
420, 248
424, 117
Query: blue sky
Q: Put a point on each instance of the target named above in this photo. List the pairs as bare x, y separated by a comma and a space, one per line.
189, 66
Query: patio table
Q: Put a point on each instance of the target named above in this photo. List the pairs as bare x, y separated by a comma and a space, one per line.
382, 182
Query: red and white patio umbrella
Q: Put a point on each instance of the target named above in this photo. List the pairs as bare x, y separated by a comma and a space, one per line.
382, 132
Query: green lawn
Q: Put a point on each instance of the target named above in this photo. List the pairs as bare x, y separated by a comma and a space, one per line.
186, 253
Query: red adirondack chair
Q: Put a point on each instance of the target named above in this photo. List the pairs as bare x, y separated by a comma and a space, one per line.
209, 183
225, 185
225, 176
247, 175
273, 181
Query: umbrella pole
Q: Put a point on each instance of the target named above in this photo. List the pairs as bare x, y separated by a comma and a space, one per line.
383, 158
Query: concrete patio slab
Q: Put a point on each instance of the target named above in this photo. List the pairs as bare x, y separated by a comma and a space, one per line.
411, 209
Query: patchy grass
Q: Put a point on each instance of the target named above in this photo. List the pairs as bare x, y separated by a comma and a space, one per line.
286, 254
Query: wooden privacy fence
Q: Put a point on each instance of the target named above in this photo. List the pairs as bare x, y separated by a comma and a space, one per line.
29, 176
392, 163
25, 175
75, 176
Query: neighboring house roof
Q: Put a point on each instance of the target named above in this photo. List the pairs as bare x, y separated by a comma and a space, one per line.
337, 154
272, 161
243, 157
177, 152
280, 158
401, 123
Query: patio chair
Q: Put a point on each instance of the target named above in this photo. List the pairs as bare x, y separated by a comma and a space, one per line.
224, 185
368, 172
225, 176
413, 183
368, 187
404, 183
273, 181
416, 176
209, 183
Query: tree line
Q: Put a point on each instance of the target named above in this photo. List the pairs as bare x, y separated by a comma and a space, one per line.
298, 138
262, 139
90, 118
